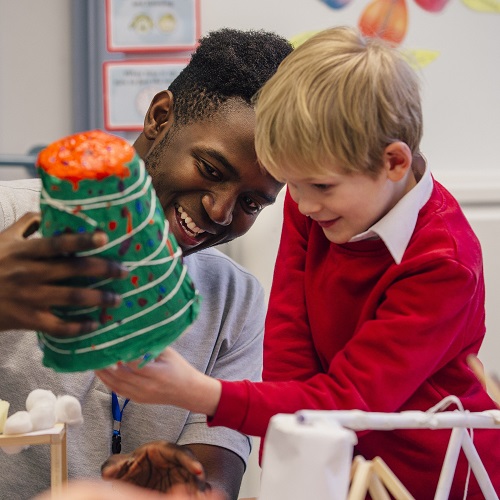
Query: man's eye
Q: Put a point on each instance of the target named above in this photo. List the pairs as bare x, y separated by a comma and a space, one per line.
210, 171
251, 206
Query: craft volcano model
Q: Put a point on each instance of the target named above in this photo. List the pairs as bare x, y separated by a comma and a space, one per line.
94, 180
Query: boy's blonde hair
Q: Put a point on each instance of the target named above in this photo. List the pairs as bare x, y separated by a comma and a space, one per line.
338, 97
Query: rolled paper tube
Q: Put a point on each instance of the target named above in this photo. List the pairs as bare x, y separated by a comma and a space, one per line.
94, 180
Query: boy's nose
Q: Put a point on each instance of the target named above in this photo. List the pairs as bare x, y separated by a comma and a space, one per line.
220, 208
306, 204
308, 209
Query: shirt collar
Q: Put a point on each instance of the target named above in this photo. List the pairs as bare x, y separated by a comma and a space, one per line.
397, 226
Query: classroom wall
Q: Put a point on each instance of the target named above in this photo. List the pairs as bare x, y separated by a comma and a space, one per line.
460, 98
35, 73
460, 87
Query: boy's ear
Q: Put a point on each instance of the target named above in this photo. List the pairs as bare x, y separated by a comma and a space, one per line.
397, 160
159, 114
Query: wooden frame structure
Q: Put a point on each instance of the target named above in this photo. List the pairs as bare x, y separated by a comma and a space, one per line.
56, 437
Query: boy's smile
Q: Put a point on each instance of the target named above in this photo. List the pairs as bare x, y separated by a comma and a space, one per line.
325, 224
347, 204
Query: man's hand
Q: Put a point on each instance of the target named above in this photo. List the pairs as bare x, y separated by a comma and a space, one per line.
157, 465
30, 270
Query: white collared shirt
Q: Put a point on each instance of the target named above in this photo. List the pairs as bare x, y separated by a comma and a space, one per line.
397, 226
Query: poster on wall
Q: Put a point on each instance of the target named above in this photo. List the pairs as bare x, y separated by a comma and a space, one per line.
129, 87
152, 26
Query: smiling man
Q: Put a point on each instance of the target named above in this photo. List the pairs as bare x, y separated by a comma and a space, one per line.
198, 140
198, 146
206, 172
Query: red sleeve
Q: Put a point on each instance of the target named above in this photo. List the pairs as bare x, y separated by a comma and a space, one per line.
288, 349
408, 351
423, 324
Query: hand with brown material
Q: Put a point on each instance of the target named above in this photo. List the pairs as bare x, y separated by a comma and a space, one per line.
157, 465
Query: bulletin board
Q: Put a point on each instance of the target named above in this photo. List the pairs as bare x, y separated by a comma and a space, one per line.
129, 87
152, 26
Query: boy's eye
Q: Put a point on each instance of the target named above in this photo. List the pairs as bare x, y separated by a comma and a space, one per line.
250, 205
322, 187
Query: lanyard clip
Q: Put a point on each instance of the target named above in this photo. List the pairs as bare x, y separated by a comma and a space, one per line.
116, 443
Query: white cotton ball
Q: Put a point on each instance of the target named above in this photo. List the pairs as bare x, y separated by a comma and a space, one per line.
13, 450
40, 397
18, 423
68, 410
43, 417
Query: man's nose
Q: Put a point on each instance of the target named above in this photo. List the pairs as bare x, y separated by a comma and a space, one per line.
220, 207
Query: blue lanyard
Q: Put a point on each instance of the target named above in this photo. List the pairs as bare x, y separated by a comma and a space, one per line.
116, 439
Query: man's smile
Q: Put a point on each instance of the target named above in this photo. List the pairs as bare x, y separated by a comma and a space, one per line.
188, 223
187, 233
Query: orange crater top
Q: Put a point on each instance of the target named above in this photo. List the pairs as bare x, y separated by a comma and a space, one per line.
87, 155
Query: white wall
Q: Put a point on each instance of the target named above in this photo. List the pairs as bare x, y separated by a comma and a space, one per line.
35, 73
461, 98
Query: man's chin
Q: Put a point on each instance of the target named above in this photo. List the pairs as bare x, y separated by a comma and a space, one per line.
202, 245
188, 250
189, 243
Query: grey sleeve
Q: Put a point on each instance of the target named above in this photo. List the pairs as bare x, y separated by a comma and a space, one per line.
17, 198
241, 305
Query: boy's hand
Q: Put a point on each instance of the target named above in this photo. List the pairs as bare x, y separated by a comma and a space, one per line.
169, 379
157, 465
30, 270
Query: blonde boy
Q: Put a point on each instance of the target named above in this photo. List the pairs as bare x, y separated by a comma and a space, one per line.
378, 291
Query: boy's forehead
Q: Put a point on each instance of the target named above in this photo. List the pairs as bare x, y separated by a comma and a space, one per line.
319, 178
312, 172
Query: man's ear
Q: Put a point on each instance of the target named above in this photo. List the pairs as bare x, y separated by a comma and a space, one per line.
159, 114
397, 160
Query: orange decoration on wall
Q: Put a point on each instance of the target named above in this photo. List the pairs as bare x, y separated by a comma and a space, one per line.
387, 19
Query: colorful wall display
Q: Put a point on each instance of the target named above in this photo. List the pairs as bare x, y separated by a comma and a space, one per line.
147, 26
129, 87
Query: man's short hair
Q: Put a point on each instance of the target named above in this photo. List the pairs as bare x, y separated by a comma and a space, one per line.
227, 63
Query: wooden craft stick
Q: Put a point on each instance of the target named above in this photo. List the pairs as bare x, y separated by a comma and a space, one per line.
358, 459
376, 488
389, 479
490, 383
360, 481
477, 368
494, 385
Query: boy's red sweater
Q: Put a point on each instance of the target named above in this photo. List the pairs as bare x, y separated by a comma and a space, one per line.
348, 328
